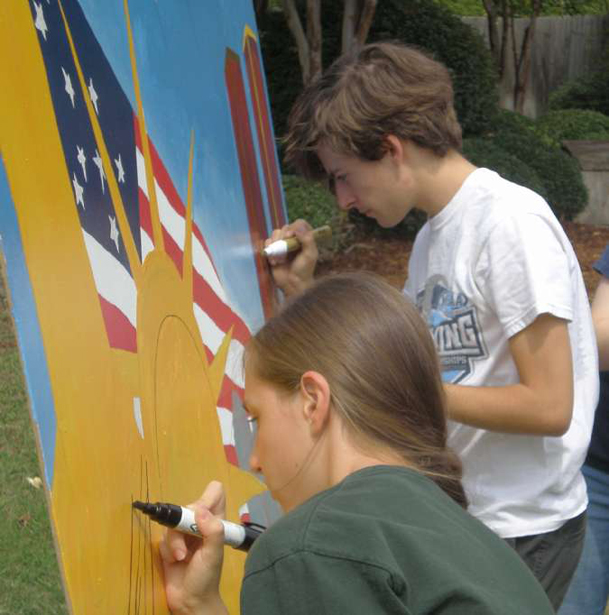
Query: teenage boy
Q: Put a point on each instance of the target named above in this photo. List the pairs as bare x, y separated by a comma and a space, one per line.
493, 274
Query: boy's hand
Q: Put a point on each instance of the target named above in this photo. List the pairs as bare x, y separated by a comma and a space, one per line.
293, 273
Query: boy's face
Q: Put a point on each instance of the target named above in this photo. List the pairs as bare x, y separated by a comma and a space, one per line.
380, 189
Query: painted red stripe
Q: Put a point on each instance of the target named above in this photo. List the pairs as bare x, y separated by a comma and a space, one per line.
205, 297
121, 333
225, 399
265, 135
231, 454
145, 221
166, 184
249, 174
173, 250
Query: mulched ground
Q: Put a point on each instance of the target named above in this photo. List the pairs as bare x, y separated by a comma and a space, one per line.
388, 256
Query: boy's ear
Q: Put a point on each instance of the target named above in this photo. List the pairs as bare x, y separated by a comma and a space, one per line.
315, 392
395, 147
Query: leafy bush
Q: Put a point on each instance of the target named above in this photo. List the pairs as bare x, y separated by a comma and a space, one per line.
512, 121
575, 124
309, 200
416, 22
588, 92
486, 153
559, 172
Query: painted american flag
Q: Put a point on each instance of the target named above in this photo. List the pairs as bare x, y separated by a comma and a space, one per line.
116, 288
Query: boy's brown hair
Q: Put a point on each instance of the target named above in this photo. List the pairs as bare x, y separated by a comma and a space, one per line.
383, 89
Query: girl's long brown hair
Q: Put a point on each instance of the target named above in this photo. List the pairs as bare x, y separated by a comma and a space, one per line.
377, 355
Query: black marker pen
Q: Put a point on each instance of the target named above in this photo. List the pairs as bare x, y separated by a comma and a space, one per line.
183, 519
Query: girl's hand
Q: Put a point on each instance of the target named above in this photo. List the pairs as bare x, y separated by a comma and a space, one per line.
192, 565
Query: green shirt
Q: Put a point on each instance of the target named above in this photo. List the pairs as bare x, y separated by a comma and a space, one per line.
386, 540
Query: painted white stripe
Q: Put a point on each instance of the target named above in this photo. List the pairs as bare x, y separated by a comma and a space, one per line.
112, 280
234, 363
147, 245
141, 172
212, 337
173, 222
137, 414
205, 268
226, 425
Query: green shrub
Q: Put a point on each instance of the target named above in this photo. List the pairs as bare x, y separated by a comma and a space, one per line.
559, 172
486, 153
588, 92
309, 200
416, 22
512, 121
574, 124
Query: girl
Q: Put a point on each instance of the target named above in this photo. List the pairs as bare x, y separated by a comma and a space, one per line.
344, 389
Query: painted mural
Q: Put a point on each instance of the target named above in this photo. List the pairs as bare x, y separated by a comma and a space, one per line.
138, 179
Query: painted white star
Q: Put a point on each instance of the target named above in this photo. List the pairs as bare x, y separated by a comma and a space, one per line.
99, 164
78, 191
68, 86
82, 159
113, 231
40, 23
121, 171
93, 95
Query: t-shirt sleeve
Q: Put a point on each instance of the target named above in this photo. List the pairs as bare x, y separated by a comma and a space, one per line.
312, 584
602, 264
524, 271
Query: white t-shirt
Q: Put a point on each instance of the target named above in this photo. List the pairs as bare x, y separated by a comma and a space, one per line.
482, 270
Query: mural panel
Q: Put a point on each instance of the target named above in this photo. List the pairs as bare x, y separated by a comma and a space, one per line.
138, 179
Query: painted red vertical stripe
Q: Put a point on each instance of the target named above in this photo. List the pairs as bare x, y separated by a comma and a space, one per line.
121, 333
249, 174
263, 128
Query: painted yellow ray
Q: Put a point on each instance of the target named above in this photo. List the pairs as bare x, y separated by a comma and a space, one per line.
154, 208
187, 256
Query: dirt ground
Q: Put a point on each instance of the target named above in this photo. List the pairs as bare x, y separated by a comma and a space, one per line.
388, 256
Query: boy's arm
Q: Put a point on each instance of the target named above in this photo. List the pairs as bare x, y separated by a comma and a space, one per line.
542, 403
600, 317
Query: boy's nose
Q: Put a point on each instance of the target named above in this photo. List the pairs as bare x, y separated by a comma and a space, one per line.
344, 198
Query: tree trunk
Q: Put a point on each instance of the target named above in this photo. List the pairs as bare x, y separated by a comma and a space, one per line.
493, 35
524, 63
349, 25
302, 44
365, 21
357, 19
314, 39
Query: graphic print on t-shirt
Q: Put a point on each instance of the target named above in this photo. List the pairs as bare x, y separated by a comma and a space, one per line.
453, 323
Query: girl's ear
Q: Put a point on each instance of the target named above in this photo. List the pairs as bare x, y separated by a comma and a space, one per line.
315, 392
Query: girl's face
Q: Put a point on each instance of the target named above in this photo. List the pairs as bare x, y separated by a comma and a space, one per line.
283, 447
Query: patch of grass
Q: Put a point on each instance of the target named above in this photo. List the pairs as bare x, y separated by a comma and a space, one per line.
30, 583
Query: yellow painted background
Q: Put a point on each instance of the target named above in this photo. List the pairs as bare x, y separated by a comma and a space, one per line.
106, 552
